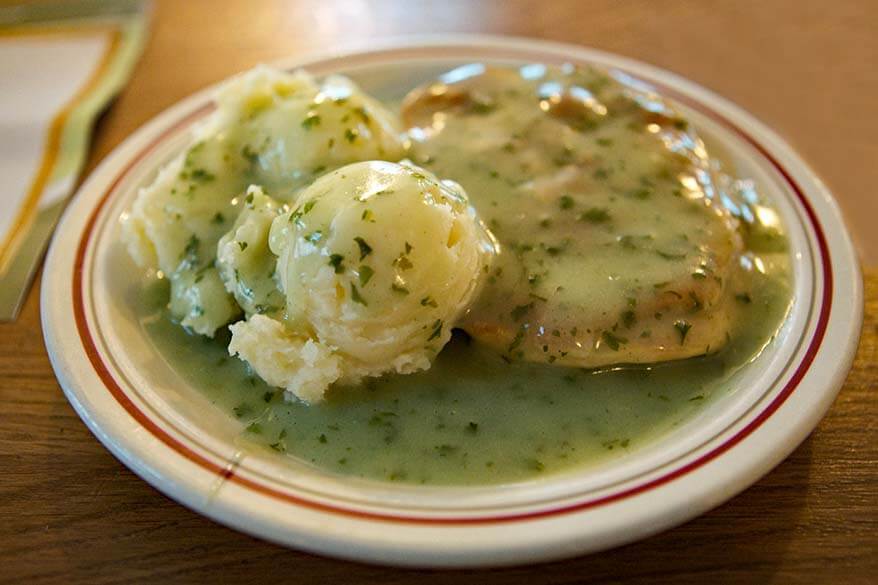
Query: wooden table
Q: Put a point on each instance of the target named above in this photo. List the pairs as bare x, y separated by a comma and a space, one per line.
69, 512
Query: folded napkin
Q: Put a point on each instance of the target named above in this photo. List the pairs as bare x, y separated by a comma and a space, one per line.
60, 64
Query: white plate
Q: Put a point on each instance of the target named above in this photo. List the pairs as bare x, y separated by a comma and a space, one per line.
170, 435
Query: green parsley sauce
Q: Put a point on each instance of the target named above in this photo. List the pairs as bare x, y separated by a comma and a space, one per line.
472, 418
485, 416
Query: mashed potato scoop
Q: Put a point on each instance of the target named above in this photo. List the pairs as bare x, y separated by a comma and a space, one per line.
270, 128
377, 262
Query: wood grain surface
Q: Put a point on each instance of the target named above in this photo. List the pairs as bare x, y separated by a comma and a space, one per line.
71, 513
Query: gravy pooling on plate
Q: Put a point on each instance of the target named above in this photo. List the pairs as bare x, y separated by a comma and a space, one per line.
615, 240
618, 246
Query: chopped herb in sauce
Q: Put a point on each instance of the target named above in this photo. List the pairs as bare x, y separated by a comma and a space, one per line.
670, 255
535, 464
355, 296
365, 249
595, 215
249, 154
190, 252
403, 263
437, 330
682, 328
516, 341
366, 274
520, 311
613, 341
202, 176
310, 121
337, 262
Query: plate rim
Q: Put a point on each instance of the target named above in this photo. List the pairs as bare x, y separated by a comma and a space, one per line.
483, 556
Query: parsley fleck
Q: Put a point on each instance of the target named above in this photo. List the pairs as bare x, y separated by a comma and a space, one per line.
249, 154
445, 450
363, 114
744, 298
516, 341
437, 330
336, 261
683, 328
355, 296
535, 464
613, 341
296, 215
482, 107
566, 202
403, 263
365, 273
310, 121
627, 242
190, 252
242, 245
520, 311
242, 410
595, 215
365, 249
670, 255
202, 176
